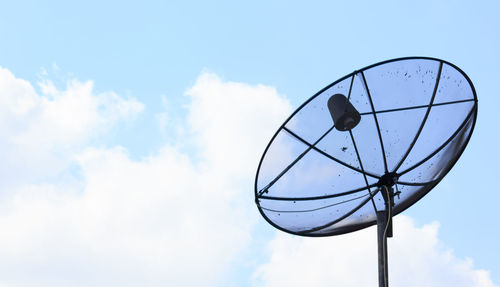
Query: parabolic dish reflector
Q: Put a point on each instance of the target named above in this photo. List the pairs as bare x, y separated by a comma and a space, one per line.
417, 115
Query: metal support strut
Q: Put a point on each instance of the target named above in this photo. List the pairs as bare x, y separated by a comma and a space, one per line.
384, 230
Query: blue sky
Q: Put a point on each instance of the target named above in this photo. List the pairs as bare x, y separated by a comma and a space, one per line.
159, 59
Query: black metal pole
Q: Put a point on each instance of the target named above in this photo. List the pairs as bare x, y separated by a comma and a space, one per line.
384, 230
382, 248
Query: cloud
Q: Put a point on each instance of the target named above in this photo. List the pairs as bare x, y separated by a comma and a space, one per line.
174, 218
155, 221
416, 258
232, 122
162, 220
40, 131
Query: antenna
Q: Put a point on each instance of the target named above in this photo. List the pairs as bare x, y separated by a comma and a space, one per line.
365, 148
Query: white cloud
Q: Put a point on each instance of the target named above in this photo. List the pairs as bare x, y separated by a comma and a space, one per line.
39, 131
173, 219
416, 258
163, 220
233, 122
159, 219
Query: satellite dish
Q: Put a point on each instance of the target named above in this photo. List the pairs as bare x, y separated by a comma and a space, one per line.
365, 148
